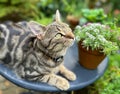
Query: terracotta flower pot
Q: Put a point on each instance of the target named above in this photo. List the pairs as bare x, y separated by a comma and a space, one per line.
88, 58
73, 21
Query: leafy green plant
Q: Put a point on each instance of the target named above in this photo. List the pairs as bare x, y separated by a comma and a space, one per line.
114, 25
97, 36
93, 15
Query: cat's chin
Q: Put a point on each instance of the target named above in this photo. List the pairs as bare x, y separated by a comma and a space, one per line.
69, 43
72, 42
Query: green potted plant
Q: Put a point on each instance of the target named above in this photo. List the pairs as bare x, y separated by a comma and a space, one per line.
92, 15
95, 41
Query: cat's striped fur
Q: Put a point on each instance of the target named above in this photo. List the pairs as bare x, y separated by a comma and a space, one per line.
36, 52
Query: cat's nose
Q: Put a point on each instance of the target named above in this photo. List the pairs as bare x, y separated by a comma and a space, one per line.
70, 35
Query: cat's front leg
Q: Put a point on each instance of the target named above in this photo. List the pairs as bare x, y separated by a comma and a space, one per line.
67, 73
56, 80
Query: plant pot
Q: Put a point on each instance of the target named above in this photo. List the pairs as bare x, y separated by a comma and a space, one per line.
73, 21
89, 59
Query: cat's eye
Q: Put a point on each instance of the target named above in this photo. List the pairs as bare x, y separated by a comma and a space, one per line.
58, 36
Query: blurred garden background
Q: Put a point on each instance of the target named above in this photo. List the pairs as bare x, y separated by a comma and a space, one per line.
73, 12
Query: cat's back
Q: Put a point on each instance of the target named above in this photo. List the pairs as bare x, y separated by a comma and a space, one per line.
10, 28
11, 35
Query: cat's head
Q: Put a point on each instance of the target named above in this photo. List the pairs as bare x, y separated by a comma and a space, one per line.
56, 37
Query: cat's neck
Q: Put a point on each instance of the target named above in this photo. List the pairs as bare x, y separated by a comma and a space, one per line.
40, 48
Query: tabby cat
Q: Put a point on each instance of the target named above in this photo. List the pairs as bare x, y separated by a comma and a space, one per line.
36, 52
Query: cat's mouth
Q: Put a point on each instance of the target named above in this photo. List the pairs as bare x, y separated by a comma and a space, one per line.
69, 37
69, 42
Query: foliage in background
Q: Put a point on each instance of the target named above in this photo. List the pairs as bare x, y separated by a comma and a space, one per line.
92, 15
110, 82
65, 6
17, 10
39, 10
115, 29
115, 4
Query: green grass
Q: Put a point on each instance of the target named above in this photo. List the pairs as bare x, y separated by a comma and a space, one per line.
109, 83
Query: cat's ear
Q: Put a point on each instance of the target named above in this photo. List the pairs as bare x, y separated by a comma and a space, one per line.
37, 29
57, 16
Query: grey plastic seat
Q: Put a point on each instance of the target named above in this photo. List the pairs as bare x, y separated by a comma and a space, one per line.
85, 77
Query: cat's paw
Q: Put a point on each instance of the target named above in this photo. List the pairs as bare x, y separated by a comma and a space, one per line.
70, 76
62, 84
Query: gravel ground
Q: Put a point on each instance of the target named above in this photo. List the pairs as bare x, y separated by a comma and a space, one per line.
7, 87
